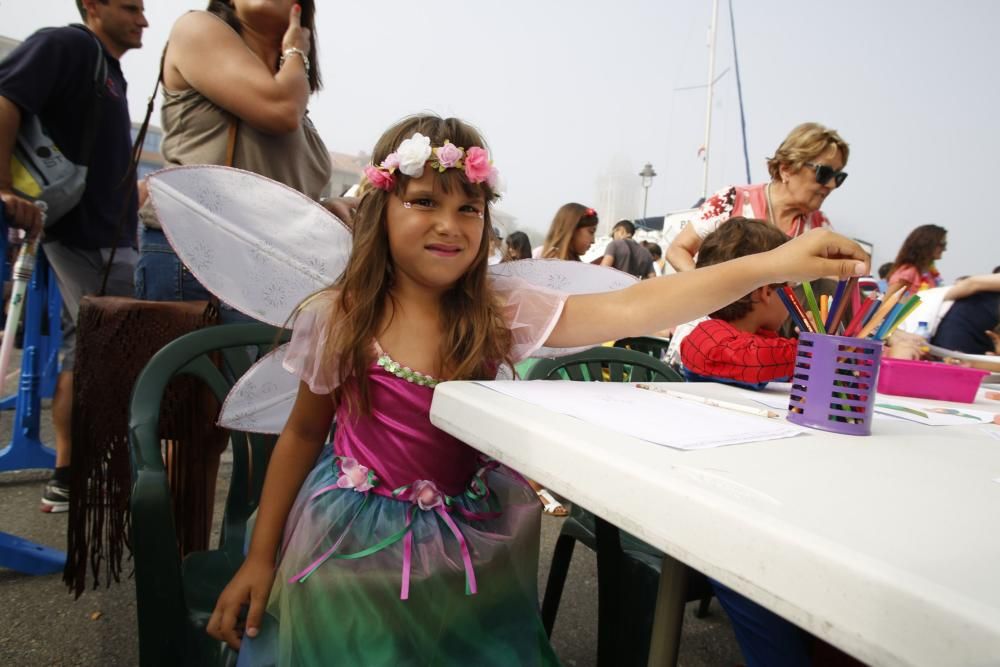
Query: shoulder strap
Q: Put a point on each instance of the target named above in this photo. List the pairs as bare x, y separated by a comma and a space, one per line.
129, 179
98, 86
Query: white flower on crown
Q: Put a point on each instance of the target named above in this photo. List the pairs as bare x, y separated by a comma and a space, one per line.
412, 154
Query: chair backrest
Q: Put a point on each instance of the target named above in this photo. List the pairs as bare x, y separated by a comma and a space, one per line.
218, 356
651, 345
604, 364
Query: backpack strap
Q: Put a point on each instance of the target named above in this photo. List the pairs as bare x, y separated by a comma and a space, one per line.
98, 86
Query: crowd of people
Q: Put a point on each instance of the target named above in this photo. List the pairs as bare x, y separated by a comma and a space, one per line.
414, 307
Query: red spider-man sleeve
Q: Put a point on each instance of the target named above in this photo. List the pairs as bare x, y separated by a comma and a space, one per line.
717, 349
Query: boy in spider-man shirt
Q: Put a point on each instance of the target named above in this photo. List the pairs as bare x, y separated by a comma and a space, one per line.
739, 344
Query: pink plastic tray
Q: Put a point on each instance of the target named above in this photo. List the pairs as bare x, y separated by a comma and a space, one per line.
929, 379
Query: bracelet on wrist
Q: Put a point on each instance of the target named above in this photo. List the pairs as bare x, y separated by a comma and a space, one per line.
295, 51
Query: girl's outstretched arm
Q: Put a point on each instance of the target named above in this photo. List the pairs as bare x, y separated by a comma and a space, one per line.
656, 304
294, 456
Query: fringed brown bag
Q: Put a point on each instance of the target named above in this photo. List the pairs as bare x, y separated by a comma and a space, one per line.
117, 337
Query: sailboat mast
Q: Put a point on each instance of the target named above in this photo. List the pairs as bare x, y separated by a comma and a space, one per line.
708, 105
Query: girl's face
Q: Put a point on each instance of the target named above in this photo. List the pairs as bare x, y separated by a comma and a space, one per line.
434, 236
582, 239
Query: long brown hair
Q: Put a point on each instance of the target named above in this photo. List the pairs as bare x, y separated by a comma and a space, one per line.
569, 218
920, 247
476, 338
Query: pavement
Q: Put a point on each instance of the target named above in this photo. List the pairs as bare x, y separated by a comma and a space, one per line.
41, 624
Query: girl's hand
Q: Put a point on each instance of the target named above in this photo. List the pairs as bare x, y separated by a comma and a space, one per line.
251, 583
296, 36
817, 253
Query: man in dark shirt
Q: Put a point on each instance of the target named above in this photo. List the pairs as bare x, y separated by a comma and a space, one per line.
625, 254
50, 75
964, 327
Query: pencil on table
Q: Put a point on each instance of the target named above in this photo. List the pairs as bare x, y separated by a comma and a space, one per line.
714, 402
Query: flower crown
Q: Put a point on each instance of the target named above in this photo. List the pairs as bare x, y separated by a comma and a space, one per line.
415, 152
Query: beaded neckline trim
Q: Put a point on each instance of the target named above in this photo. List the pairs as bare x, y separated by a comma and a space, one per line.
405, 372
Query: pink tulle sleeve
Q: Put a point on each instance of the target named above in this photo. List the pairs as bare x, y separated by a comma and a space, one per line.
531, 313
310, 332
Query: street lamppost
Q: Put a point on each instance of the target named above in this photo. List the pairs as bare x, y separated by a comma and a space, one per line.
647, 175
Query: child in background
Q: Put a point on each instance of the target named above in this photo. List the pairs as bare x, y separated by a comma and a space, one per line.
571, 233
518, 247
401, 544
739, 344
914, 266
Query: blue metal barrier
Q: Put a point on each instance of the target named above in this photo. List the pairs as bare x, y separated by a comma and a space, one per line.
39, 372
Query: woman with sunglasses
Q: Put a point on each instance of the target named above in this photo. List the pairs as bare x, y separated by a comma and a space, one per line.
805, 169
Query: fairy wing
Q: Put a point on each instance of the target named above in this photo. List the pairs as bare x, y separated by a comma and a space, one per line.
258, 245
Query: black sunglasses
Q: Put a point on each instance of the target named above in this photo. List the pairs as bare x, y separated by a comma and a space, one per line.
825, 172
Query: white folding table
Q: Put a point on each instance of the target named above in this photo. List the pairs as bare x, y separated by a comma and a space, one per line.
886, 546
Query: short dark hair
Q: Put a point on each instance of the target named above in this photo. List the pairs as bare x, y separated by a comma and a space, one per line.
654, 249
626, 225
885, 270
738, 237
83, 10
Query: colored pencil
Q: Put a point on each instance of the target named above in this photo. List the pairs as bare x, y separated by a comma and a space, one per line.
882, 329
880, 314
840, 307
791, 310
798, 308
908, 308
856, 297
824, 308
714, 402
813, 307
859, 316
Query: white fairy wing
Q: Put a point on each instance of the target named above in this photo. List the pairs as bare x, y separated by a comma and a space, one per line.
262, 399
568, 277
258, 245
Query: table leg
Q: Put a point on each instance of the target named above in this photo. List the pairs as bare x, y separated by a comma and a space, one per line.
666, 637
609, 578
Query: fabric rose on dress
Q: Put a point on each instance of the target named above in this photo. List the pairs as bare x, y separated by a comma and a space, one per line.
477, 165
426, 495
448, 156
413, 153
353, 476
380, 179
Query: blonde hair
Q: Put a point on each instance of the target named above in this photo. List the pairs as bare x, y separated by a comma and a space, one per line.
476, 338
803, 144
567, 220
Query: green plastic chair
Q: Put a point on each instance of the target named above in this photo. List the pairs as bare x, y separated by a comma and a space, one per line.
654, 346
628, 569
175, 597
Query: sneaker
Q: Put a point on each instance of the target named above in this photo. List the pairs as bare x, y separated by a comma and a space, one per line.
55, 498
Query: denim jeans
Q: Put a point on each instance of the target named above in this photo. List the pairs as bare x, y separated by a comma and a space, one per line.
161, 276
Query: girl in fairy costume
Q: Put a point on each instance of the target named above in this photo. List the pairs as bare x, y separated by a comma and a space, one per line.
401, 545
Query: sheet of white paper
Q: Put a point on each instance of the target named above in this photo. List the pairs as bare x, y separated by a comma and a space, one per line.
992, 431
929, 414
643, 414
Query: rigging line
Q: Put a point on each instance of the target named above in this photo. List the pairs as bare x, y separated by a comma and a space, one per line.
739, 90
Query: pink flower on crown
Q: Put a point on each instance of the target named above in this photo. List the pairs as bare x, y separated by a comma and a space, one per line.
477, 165
353, 475
379, 178
413, 153
426, 495
391, 162
448, 155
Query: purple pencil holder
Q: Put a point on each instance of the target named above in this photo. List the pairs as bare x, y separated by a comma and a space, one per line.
833, 386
